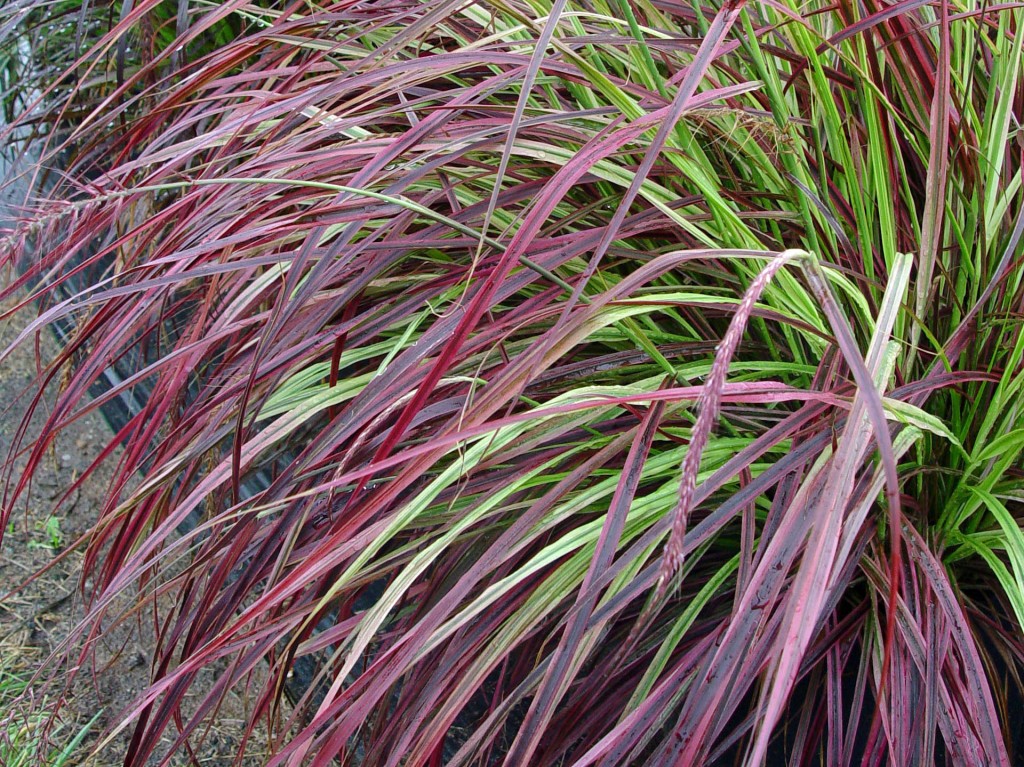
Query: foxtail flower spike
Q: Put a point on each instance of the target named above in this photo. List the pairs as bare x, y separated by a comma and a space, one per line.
709, 405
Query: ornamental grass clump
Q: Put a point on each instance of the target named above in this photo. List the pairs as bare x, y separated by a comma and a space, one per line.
577, 382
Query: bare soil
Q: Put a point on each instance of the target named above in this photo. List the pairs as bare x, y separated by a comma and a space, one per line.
40, 583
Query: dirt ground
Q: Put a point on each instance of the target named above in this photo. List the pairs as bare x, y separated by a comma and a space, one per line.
38, 610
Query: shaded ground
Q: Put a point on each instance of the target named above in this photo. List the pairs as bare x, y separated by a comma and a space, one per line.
37, 614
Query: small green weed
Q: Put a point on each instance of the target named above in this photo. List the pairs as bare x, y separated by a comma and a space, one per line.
21, 734
52, 535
